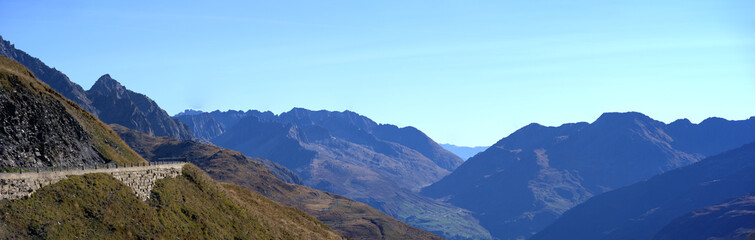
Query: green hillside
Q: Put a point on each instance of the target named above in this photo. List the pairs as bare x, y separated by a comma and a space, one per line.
190, 206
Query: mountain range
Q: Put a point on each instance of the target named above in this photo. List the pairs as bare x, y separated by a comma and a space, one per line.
525, 181
345, 153
122, 106
623, 176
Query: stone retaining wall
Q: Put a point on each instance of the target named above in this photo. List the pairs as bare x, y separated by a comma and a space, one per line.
141, 179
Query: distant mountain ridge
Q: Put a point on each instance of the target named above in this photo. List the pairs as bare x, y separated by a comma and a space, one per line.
526, 180
462, 151
346, 153
107, 100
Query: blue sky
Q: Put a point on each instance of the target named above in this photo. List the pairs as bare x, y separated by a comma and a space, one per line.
464, 72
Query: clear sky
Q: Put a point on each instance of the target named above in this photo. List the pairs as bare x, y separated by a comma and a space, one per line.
464, 72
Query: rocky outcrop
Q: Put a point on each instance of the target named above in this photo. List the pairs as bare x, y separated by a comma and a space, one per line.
39, 127
36, 131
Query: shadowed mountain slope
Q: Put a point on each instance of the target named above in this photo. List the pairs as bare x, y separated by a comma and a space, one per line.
734, 219
39, 127
526, 180
642, 209
119, 105
350, 218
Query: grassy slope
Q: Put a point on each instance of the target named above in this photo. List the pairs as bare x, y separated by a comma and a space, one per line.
348, 217
103, 138
190, 206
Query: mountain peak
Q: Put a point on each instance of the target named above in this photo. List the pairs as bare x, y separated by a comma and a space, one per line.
107, 84
623, 119
621, 115
683, 121
714, 120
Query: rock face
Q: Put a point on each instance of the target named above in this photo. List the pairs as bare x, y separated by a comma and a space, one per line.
133, 110
39, 127
526, 180
56, 79
203, 125
350, 218
346, 153
734, 219
107, 99
642, 209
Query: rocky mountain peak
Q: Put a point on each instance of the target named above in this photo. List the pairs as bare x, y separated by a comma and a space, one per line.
106, 84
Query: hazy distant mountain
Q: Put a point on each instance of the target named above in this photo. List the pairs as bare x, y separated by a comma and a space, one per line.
462, 151
733, 219
56, 79
203, 125
526, 180
349, 154
188, 112
640, 210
